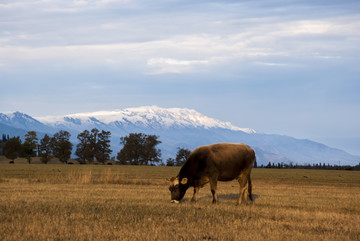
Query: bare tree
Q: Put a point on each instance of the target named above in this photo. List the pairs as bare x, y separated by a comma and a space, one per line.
103, 150
13, 148
45, 149
139, 149
30, 145
181, 156
62, 146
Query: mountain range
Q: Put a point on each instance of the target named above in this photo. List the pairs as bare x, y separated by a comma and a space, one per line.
178, 127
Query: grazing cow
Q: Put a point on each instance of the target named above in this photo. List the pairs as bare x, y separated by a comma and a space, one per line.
212, 163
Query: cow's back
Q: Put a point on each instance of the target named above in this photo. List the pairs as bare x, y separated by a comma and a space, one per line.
226, 160
231, 159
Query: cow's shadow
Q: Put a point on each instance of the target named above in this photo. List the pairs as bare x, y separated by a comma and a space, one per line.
234, 196
231, 196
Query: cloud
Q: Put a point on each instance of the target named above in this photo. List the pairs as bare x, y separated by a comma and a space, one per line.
117, 44
38, 8
167, 65
271, 64
161, 39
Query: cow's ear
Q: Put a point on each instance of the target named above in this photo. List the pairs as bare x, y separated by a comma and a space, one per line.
184, 181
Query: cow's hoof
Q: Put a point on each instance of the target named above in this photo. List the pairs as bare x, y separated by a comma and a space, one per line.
174, 201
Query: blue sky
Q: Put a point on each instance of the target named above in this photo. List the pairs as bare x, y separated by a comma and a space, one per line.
284, 67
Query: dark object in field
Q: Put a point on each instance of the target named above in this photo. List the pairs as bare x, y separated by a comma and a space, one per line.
212, 163
11, 162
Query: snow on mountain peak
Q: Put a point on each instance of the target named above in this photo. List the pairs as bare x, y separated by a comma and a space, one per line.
19, 120
145, 116
16, 115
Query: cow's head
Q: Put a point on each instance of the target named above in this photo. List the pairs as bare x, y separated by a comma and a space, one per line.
177, 188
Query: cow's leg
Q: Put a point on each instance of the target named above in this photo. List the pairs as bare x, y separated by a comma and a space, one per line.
196, 191
213, 187
243, 181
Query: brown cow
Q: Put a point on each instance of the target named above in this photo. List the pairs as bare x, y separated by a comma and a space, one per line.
212, 163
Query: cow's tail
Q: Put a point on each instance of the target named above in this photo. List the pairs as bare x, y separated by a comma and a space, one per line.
250, 185
250, 188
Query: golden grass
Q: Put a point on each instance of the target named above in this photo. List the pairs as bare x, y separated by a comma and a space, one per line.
62, 202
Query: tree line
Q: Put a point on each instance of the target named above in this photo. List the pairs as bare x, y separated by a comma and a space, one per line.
94, 145
319, 166
58, 146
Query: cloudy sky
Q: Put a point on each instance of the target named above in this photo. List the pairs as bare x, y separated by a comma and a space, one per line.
284, 67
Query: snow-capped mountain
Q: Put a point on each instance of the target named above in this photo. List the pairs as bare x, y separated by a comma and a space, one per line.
151, 117
21, 121
177, 127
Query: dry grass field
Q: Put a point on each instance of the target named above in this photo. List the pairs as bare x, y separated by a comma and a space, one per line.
83, 202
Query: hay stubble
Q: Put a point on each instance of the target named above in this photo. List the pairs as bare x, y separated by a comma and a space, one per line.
58, 202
